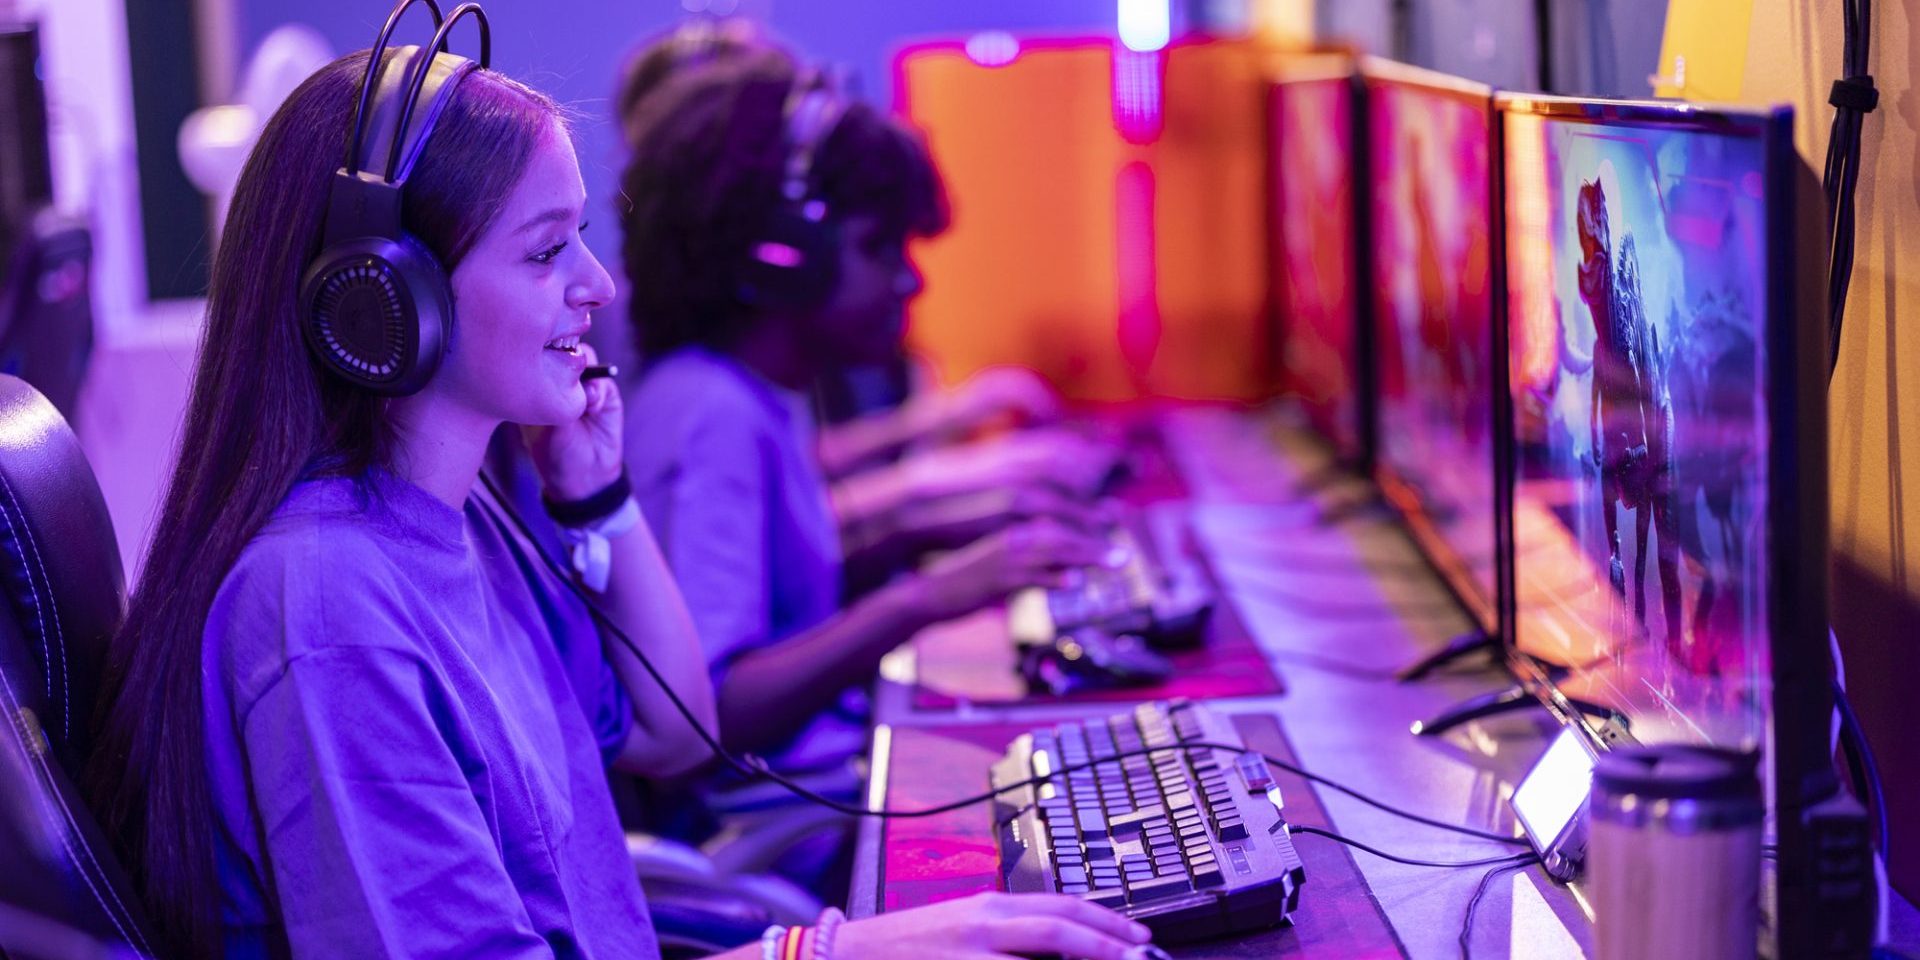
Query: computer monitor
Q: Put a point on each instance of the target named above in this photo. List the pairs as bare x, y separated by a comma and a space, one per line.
1317, 238
1667, 363
1430, 171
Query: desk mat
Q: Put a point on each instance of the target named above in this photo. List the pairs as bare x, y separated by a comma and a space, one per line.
931, 859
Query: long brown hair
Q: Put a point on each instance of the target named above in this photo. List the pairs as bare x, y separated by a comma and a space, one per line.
262, 416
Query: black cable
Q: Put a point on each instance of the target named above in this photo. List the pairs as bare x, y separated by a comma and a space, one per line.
1850, 729
1853, 97
1510, 859
752, 766
1480, 893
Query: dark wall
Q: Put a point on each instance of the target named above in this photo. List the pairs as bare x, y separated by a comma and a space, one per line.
173, 214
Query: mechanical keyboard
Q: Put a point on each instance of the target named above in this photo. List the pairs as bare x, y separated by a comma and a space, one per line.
1160, 602
1191, 842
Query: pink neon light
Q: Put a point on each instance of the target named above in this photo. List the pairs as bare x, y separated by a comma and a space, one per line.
1139, 328
777, 254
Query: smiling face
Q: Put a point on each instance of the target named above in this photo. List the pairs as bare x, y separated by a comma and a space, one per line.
522, 299
862, 321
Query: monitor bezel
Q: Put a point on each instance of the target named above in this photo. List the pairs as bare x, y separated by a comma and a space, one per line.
1333, 66
1444, 557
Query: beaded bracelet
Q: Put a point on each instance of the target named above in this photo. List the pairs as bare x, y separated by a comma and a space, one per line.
823, 936
770, 942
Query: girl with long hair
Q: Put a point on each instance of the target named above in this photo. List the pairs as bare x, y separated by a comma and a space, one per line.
348, 713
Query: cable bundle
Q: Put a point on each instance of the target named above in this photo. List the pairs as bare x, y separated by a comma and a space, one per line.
1853, 97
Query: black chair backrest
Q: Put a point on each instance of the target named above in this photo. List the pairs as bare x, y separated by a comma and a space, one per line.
60, 575
63, 587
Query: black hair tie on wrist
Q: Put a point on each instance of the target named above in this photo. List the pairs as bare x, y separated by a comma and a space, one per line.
591, 508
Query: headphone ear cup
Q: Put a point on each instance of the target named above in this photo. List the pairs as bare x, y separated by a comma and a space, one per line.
378, 313
795, 264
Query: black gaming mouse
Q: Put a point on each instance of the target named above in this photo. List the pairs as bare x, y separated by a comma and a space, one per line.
1091, 659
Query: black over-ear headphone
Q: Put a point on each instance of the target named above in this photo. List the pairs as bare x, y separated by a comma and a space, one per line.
795, 262
377, 305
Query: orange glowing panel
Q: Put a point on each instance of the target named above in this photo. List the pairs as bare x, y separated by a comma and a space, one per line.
1116, 270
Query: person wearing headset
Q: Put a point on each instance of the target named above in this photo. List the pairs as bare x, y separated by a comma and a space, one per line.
764, 236
336, 723
928, 417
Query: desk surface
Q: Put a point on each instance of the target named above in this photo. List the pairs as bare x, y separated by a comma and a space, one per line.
1336, 607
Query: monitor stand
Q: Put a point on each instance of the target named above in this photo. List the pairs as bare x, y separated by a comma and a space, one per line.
1508, 700
1471, 642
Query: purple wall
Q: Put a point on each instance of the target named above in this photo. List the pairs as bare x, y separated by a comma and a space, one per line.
572, 49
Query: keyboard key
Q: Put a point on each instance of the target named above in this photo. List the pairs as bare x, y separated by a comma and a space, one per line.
1126, 829
1133, 822
1158, 888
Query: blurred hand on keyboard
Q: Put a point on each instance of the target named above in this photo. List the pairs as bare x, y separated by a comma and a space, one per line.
1034, 553
990, 395
994, 925
1062, 459
954, 521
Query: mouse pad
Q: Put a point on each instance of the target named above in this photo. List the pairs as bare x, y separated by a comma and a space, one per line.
931, 859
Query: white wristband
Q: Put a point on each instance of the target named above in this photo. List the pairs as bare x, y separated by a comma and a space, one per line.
589, 549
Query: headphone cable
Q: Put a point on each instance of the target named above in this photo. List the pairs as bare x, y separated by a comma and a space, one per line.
755, 767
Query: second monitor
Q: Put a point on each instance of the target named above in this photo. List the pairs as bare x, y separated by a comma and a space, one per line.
1430, 225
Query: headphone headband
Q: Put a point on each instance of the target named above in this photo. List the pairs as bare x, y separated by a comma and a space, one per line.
813, 111
378, 306
796, 261
352, 164
443, 85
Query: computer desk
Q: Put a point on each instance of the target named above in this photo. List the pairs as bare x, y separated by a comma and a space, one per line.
1334, 633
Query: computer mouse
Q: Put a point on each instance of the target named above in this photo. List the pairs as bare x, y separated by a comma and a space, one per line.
1091, 659
1180, 612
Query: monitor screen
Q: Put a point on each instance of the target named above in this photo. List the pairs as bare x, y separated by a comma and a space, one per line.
1430, 142
1313, 196
1639, 312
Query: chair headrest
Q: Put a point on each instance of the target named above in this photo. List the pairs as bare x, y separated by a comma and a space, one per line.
60, 574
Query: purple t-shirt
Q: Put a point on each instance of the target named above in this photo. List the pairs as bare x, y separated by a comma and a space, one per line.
397, 709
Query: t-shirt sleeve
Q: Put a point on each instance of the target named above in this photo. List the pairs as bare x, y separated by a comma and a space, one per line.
712, 519
366, 811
